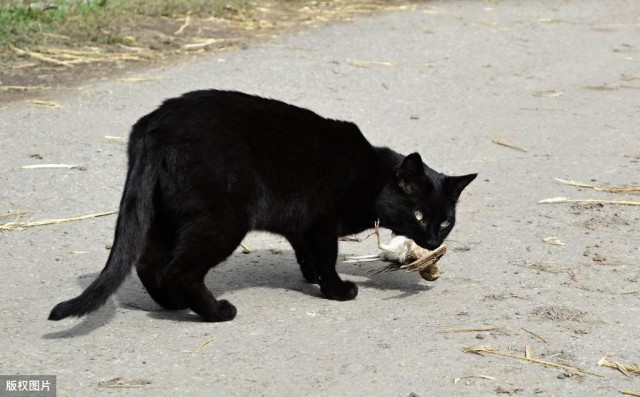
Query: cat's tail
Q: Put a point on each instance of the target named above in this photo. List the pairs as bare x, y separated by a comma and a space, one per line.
134, 218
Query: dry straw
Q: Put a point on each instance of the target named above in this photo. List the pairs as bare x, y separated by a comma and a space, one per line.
114, 139
120, 383
626, 369
476, 329
486, 349
535, 335
187, 22
600, 188
456, 380
510, 146
552, 240
560, 200
66, 166
368, 64
24, 87
68, 58
18, 226
136, 79
45, 104
203, 344
38, 56
245, 248
16, 215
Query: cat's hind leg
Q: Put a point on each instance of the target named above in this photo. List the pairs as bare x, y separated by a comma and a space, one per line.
151, 269
202, 244
154, 261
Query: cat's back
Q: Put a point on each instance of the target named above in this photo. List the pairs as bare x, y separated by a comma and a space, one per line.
216, 110
215, 119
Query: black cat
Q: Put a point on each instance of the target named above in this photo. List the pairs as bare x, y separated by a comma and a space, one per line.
208, 167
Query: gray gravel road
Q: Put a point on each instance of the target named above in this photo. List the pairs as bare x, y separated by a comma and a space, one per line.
560, 79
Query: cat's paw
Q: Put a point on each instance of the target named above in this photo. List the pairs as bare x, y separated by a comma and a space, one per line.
345, 291
225, 311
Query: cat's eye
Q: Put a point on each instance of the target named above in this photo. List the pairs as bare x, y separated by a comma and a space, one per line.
418, 215
444, 225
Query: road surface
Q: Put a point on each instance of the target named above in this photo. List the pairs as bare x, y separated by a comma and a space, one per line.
449, 79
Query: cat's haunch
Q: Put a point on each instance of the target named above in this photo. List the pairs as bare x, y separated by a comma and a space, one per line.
210, 166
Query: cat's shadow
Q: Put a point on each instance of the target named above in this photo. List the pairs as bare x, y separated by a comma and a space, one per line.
259, 268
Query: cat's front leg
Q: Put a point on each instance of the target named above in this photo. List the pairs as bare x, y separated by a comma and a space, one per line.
323, 244
305, 260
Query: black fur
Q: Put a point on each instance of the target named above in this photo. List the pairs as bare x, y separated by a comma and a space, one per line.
208, 167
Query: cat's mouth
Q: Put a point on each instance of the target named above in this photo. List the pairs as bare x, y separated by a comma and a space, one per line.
430, 245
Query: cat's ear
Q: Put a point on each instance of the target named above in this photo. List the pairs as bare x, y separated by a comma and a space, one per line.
410, 176
454, 185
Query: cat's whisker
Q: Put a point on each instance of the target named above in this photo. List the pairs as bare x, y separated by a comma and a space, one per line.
455, 257
457, 245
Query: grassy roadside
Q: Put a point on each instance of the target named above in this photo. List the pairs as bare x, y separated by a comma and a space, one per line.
98, 22
57, 44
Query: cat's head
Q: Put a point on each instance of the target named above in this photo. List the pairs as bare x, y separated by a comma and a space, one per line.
420, 203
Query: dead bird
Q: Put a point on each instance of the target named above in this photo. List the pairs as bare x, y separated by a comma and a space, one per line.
404, 254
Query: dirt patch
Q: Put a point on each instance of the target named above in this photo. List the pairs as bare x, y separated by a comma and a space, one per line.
501, 297
559, 313
597, 222
577, 208
603, 255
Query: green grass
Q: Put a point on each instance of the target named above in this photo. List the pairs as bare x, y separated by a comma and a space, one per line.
21, 24
28, 23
